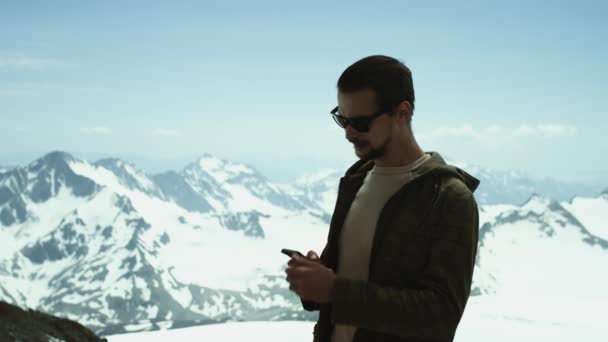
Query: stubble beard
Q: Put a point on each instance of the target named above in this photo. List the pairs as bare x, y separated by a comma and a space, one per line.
374, 153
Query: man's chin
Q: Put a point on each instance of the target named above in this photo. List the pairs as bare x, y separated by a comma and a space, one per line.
368, 154
361, 154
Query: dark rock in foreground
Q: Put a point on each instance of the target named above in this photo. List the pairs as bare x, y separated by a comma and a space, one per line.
34, 326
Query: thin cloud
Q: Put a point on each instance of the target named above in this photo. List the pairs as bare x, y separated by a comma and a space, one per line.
18, 61
464, 131
468, 131
166, 132
547, 131
98, 130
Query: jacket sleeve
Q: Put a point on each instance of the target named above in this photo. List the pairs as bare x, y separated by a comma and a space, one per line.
310, 305
433, 309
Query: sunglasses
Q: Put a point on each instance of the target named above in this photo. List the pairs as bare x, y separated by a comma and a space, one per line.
360, 123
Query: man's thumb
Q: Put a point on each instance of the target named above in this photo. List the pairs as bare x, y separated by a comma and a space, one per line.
312, 255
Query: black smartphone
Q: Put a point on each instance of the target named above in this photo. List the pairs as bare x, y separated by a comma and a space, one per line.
290, 252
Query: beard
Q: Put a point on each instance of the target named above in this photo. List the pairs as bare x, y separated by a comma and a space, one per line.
367, 152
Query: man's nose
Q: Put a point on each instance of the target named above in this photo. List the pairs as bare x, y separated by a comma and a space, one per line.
351, 133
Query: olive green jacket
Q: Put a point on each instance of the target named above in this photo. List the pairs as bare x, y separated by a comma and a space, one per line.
421, 262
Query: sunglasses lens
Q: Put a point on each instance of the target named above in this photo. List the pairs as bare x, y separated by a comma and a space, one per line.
361, 125
340, 121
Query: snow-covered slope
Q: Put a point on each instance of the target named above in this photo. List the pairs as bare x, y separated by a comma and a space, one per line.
271, 331
480, 323
591, 212
4, 168
540, 250
130, 177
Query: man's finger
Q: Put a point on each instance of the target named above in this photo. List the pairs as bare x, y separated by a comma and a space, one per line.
301, 261
293, 286
297, 272
289, 279
301, 269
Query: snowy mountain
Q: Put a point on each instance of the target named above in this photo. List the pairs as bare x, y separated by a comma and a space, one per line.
103, 243
318, 190
24, 188
240, 187
496, 186
120, 250
515, 186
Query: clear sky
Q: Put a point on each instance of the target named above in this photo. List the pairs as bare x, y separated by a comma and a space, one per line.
498, 84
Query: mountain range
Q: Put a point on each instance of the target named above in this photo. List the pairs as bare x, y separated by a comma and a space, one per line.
120, 250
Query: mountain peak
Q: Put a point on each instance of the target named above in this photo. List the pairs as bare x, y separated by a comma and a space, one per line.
54, 170
209, 159
318, 176
56, 157
536, 200
56, 160
221, 169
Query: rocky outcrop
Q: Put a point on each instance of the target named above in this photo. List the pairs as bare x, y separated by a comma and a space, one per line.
35, 326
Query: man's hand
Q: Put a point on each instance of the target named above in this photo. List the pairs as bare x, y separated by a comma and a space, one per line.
309, 279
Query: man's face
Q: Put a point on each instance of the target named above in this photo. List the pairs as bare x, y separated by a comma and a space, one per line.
374, 143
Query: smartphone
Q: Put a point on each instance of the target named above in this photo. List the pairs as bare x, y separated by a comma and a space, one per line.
290, 253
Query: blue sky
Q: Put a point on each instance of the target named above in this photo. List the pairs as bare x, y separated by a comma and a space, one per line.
506, 86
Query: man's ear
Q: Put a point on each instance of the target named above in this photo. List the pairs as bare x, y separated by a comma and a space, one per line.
404, 110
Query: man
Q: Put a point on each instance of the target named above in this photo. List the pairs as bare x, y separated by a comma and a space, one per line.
401, 247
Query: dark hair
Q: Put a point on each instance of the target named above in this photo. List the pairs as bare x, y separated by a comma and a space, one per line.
388, 77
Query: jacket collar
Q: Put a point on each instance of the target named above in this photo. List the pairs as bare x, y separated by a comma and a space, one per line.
436, 164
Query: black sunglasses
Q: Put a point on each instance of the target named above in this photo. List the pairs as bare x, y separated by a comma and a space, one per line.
360, 123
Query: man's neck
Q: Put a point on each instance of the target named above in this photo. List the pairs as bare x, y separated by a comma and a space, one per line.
402, 155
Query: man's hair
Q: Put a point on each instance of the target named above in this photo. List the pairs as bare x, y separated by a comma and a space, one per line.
388, 77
